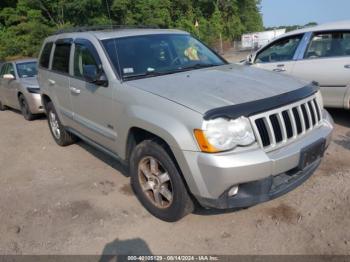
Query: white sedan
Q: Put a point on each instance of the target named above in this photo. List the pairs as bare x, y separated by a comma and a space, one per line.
320, 54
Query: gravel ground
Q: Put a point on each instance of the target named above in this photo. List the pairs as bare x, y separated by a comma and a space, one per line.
75, 200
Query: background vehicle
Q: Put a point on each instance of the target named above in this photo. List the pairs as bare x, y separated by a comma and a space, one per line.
19, 88
188, 124
320, 54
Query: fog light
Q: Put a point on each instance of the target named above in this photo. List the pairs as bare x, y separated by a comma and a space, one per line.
233, 191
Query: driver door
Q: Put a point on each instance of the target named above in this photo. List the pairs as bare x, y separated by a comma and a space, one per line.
92, 104
279, 55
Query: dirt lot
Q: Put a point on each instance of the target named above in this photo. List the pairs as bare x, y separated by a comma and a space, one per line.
76, 200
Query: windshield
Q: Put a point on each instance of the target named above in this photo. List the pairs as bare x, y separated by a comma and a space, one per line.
28, 69
152, 55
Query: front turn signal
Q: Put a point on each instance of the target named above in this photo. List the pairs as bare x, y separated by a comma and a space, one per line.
203, 142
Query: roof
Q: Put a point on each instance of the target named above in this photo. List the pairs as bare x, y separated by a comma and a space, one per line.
339, 25
18, 61
115, 33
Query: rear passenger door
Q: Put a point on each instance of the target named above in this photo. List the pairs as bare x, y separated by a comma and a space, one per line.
280, 55
59, 80
327, 61
92, 104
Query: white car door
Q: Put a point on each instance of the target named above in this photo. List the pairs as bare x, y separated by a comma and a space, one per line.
327, 61
279, 55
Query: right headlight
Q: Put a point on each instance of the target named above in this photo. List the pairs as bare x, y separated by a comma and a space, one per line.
222, 134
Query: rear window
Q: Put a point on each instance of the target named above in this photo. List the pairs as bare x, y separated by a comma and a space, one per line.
61, 58
45, 56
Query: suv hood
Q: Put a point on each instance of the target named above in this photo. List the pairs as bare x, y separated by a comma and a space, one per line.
205, 89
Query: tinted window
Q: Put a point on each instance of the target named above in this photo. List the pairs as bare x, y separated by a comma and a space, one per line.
28, 69
84, 61
282, 50
332, 44
3, 70
150, 55
45, 55
61, 58
10, 70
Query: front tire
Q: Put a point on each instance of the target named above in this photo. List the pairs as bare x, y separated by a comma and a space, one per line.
2, 107
61, 136
25, 108
157, 182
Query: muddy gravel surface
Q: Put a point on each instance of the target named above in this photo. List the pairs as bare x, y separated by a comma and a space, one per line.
76, 200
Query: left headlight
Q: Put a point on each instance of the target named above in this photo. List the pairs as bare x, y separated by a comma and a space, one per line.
222, 134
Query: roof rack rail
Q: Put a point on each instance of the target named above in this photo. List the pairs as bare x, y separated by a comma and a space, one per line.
102, 28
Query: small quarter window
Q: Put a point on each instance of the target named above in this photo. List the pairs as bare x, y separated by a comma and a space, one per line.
61, 58
45, 55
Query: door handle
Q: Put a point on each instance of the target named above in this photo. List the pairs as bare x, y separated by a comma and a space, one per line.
52, 82
74, 90
347, 66
280, 69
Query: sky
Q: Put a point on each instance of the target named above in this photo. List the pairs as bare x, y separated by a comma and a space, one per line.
301, 12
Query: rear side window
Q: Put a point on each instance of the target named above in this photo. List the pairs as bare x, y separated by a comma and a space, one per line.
329, 44
45, 56
61, 58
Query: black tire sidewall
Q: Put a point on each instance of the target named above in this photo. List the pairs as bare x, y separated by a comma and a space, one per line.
50, 107
25, 111
180, 206
2, 107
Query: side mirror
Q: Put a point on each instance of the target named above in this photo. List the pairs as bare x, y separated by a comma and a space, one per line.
9, 77
250, 59
96, 76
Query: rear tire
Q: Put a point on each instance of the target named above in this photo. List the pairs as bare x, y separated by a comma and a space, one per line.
2, 107
61, 136
157, 182
25, 108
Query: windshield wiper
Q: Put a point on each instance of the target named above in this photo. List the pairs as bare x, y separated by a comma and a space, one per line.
145, 74
196, 66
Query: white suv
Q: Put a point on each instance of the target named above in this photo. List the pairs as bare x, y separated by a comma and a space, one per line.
320, 54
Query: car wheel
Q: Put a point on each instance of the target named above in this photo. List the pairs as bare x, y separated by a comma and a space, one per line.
59, 133
157, 182
2, 107
25, 108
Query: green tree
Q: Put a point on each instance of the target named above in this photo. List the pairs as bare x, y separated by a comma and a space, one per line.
250, 15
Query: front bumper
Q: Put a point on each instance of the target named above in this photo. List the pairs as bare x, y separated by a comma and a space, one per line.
269, 188
35, 104
260, 176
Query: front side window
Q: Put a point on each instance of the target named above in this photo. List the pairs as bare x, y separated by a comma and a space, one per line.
45, 55
3, 70
28, 69
10, 70
152, 55
60, 61
329, 44
282, 50
85, 63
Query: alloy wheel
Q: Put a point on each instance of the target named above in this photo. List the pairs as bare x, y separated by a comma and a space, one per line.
155, 182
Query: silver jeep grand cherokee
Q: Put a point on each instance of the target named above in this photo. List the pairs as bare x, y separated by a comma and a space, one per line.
191, 127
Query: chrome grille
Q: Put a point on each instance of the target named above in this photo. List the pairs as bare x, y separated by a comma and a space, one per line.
278, 127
